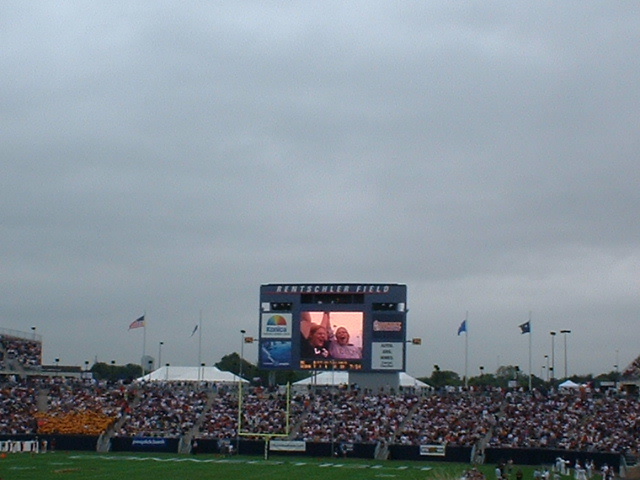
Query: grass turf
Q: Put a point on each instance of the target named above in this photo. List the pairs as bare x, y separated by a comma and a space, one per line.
117, 466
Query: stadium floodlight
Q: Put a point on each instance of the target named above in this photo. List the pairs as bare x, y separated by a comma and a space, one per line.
242, 333
553, 355
565, 332
546, 358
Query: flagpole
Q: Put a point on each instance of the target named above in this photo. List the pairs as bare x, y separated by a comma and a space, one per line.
530, 372
200, 341
144, 340
466, 349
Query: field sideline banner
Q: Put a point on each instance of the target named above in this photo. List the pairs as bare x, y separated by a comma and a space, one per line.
16, 446
149, 442
434, 450
287, 446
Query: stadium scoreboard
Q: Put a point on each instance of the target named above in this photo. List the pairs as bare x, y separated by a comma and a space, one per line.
352, 327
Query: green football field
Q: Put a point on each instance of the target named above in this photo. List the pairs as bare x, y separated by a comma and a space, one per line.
118, 466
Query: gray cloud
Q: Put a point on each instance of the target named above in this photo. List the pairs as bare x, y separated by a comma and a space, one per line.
169, 160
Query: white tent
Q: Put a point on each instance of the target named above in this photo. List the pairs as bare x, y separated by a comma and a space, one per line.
342, 378
407, 380
325, 378
568, 384
191, 374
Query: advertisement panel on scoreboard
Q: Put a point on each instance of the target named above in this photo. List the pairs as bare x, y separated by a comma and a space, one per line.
354, 327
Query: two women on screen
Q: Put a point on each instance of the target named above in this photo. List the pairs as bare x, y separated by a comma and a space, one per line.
320, 342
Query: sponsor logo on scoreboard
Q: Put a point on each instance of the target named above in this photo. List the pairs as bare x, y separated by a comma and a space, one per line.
379, 326
276, 325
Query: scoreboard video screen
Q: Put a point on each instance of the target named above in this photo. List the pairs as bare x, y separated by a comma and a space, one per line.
354, 327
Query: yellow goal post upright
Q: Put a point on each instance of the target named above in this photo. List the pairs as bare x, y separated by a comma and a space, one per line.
267, 436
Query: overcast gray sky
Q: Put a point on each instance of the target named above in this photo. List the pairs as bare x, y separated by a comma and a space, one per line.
167, 158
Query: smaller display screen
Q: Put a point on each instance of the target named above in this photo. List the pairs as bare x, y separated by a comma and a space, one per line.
276, 354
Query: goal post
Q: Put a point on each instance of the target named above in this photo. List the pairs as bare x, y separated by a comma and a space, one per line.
267, 436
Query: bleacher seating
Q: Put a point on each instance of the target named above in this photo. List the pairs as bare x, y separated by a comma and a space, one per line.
573, 420
17, 353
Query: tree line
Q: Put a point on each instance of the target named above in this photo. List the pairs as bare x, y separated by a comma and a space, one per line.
505, 376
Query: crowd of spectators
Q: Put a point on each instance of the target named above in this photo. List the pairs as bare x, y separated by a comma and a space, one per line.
18, 408
353, 416
27, 353
164, 409
456, 419
264, 412
80, 406
221, 420
573, 420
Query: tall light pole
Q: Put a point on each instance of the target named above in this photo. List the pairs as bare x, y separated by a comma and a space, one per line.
242, 332
160, 344
546, 357
553, 356
238, 430
565, 332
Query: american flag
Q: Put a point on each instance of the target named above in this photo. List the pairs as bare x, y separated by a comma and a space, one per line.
137, 323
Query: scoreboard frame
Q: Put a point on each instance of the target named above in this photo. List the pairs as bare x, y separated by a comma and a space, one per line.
374, 314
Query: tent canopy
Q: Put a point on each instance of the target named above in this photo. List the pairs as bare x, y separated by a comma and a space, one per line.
191, 374
568, 384
342, 378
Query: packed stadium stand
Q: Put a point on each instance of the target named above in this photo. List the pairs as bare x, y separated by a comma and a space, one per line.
34, 402
581, 420
19, 351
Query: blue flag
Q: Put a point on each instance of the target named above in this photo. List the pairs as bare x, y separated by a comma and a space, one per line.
194, 331
463, 327
525, 327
